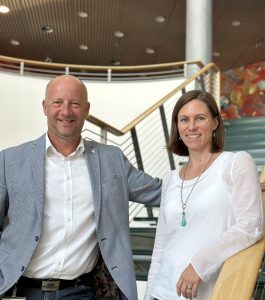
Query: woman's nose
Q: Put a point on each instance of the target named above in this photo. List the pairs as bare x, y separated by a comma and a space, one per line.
192, 125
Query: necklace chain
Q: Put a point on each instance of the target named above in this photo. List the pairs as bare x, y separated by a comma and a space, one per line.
184, 203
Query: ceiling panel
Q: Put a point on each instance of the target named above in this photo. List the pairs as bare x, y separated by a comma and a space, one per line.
237, 45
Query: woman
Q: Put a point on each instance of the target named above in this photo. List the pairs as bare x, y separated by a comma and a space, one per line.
211, 208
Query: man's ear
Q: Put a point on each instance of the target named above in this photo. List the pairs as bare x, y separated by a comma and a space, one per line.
88, 107
44, 107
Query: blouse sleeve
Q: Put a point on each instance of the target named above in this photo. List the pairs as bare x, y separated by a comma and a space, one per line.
158, 246
248, 215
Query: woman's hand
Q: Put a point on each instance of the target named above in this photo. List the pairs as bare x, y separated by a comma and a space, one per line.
262, 185
188, 283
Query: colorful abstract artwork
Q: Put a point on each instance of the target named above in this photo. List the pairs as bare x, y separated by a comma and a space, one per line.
243, 92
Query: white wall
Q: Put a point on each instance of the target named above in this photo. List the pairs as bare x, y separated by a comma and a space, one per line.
22, 119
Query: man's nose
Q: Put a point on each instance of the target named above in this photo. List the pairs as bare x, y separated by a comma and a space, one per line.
66, 109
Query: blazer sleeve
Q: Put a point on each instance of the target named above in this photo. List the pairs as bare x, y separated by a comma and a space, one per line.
142, 187
3, 191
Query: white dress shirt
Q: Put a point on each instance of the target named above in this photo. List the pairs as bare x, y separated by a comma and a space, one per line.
68, 245
224, 216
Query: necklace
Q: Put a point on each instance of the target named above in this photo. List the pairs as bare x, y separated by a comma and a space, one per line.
183, 222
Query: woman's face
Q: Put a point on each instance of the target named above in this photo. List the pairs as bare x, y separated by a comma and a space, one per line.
196, 125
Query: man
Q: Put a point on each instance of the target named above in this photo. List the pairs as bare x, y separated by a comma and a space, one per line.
66, 200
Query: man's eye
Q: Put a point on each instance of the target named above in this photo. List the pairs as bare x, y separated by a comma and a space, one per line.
76, 104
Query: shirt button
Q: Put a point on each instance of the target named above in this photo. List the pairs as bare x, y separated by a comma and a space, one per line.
22, 268
36, 238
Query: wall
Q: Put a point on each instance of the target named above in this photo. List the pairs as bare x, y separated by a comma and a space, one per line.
22, 119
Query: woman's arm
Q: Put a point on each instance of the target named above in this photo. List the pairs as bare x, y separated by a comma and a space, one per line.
248, 214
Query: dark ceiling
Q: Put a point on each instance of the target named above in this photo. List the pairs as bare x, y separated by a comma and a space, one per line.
136, 19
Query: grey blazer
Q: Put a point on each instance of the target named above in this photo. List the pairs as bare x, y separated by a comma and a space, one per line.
114, 182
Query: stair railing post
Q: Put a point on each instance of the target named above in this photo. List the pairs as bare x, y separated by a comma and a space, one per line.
137, 150
203, 88
103, 135
21, 69
139, 161
166, 135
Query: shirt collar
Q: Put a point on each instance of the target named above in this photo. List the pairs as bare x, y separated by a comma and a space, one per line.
50, 148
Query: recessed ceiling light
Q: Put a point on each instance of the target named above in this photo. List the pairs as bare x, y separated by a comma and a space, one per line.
115, 62
47, 29
149, 50
82, 14
14, 42
160, 19
48, 59
4, 9
83, 47
216, 54
259, 43
119, 34
236, 23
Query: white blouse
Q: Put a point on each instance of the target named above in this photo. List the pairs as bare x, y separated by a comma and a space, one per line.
224, 215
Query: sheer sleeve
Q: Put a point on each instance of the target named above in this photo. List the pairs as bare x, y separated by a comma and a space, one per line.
158, 245
247, 208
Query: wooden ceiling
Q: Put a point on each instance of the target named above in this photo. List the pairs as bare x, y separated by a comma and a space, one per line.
27, 19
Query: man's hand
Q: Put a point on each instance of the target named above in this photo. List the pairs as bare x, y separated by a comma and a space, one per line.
188, 283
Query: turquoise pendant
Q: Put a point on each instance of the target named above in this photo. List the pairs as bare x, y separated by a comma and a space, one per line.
183, 222
183, 218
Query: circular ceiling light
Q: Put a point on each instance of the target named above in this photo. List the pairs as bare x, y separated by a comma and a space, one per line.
160, 19
48, 59
259, 43
119, 34
236, 23
82, 14
216, 54
14, 42
47, 29
4, 9
83, 47
149, 50
115, 62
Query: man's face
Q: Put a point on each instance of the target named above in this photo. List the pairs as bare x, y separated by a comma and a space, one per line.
66, 108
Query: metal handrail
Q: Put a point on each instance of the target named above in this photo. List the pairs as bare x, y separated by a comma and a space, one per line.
136, 121
81, 68
208, 76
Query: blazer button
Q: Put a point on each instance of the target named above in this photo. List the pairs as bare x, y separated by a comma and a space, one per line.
22, 268
36, 238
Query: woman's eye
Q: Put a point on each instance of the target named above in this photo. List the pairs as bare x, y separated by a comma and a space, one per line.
183, 120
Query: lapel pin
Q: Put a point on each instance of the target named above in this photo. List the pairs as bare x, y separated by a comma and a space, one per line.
93, 151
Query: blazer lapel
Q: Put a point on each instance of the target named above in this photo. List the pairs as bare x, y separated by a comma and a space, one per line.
92, 160
38, 173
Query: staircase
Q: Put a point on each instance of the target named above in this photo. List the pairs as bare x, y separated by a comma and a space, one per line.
246, 134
